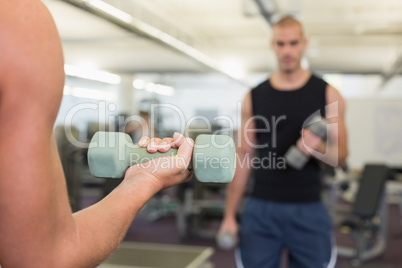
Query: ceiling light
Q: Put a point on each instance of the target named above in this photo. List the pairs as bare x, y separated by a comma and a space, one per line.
164, 90
92, 74
87, 93
160, 89
111, 10
139, 84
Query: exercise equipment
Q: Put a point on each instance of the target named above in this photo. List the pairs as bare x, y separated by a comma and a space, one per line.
226, 240
369, 228
110, 154
294, 156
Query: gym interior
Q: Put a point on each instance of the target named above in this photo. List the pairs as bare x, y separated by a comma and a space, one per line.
156, 67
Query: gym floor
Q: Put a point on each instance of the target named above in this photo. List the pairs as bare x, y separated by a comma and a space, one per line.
164, 231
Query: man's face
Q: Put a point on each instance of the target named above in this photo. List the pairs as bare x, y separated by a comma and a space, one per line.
289, 45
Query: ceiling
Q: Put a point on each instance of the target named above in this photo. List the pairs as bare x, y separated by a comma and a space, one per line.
347, 36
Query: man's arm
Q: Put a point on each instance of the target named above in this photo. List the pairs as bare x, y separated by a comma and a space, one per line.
338, 133
244, 154
37, 228
336, 152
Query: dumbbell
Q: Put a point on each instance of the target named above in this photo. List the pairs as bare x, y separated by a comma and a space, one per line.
294, 156
226, 240
110, 154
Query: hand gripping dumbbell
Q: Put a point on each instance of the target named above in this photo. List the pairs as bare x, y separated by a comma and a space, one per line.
110, 154
296, 158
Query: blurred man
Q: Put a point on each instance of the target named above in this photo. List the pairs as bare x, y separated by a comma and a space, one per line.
285, 209
37, 228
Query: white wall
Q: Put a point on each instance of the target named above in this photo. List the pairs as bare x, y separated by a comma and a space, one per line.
375, 131
374, 119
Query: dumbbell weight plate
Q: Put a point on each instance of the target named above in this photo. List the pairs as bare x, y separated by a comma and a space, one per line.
214, 158
295, 157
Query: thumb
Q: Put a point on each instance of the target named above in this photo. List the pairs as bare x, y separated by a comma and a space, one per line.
185, 151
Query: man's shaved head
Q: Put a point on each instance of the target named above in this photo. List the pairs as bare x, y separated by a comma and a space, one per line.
289, 21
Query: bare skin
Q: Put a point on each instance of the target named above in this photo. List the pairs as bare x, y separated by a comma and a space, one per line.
289, 45
37, 228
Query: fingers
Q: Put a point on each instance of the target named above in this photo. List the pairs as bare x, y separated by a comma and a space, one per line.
165, 145
155, 144
151, 144
168, 143
143, 142
309, 142
300, 145
306, 133
309, 134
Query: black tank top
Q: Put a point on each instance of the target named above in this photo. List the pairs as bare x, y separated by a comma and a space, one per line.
279, 119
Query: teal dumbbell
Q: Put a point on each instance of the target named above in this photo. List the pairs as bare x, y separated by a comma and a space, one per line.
110, 154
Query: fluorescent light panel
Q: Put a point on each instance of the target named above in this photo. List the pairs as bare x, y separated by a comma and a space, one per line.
153, 88
160, 89
111, 10
139, 84
87, 93
91, 74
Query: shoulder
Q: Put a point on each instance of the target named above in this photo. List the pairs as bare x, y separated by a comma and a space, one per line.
334, 100
31, 69
30, 42
333, 94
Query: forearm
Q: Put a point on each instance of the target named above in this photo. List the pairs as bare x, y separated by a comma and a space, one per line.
334, 150
100, 228
237, 187
337, 154
332, 154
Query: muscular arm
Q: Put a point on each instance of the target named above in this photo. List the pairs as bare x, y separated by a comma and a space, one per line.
37, 228
244, 153
336, 108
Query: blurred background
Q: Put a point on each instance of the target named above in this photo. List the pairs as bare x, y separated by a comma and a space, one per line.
163, 60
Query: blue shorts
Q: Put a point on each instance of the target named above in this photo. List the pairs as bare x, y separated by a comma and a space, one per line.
304, 229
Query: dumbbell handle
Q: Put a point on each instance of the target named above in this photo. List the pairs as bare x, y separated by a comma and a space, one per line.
296, 157
132, 156
111, 154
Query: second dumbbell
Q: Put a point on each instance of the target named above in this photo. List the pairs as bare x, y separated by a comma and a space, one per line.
295, 157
